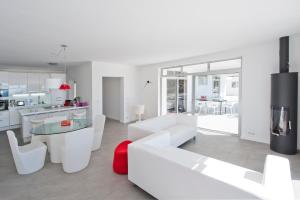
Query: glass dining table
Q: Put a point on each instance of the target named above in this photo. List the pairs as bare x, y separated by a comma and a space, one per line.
53, 134
57, 127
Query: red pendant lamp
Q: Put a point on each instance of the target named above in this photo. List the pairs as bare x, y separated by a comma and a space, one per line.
65, 86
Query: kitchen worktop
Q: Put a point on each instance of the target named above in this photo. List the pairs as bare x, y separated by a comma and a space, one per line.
42, 110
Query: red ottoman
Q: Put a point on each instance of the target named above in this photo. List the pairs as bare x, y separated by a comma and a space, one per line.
120, 163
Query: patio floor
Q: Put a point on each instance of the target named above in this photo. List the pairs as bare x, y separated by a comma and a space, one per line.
223, 123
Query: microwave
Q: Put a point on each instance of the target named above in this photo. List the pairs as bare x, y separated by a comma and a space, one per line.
3, 105
4, 93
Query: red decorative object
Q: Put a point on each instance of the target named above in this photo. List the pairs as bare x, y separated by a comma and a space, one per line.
65, 86
120, 163
65, 123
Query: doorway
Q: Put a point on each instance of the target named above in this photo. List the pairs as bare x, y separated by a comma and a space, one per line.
217, 102
113, 98
209, 90
175, 93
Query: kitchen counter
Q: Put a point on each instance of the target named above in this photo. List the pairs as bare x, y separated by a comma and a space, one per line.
41, 113
43, 110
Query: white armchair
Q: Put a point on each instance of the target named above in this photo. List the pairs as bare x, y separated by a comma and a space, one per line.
77, 148
98, 131
29, 158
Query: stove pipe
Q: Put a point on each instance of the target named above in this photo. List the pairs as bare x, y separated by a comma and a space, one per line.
284, 54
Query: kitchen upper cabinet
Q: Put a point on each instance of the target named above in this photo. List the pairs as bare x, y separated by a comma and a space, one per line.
21, 82
3, 77
17, 82
42, 81
33, 82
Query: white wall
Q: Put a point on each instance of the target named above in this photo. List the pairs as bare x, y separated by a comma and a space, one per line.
130, 91
81, 73
295, 67
112, 97
258, 62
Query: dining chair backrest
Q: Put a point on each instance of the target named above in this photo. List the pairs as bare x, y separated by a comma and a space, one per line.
79, 115
77, 149
13, 142
36, 122
99, 123
54, 119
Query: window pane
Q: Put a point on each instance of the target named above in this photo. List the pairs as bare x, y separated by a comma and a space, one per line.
176, 71
228, 64
195, 68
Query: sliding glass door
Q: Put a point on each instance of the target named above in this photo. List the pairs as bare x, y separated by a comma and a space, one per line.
209, 90
174, 94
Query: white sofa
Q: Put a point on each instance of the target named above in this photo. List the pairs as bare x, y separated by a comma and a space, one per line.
167, 172
181, 126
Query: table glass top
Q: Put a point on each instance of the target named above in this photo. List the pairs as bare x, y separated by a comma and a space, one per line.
57, 128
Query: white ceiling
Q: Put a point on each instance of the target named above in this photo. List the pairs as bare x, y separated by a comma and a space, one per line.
137, 32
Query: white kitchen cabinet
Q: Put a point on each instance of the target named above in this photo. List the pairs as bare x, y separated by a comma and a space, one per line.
14, 117
3, 77
4, 119
17, 83
33, 82
42, 81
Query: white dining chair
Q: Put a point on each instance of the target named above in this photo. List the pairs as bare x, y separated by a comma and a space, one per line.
55, 140
29, 158
98, 127
202, 107
77, 148
37, 138
79, 115
214, 106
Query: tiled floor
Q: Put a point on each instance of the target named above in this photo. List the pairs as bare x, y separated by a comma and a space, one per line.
98, 181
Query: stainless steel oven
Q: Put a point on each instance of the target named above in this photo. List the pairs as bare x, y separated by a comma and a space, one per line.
3, 92
3, 105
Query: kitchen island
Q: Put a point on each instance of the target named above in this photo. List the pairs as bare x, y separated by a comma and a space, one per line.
41, 113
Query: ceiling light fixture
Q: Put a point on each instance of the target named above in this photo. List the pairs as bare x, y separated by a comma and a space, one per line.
64, 86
